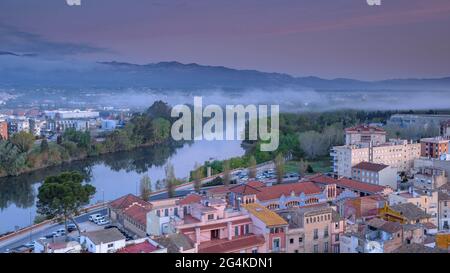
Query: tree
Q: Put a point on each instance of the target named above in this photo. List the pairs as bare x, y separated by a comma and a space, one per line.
309, 169
23, 140
12, 160
170, 180
44, 145
314, 144
279, 168
63, 196
302, 167
145, 187
226, 173
197, 177
252, 167
161, 129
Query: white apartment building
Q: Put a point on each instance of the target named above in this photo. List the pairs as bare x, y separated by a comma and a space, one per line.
399, 154
365, 134
378, 174
75, 114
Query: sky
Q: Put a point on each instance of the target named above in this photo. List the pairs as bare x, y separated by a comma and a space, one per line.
325, 38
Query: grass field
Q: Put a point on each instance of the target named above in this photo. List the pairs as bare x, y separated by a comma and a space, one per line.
322, 165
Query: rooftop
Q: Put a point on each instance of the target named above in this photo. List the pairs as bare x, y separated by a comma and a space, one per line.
348, 183
418, 248
173, 242
244, 189
363, 128
190, 198
267, 216
128, 200
368, 166
235, 244
104, 236
410, 211
137, 213
276, 191
143, 247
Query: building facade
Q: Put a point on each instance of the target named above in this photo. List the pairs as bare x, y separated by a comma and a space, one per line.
433, 147
378, 174
365, 134
399, 154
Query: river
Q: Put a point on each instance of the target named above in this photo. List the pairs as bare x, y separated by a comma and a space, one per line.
113, 175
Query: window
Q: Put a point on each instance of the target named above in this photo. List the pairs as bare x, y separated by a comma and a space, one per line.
236, 231
325, 247
325, 233
300, 239
291, 241
166, 212
247, 229
316, 248
316, 234
110, 245
296, 251
210, 216
175, 211
337, 237
255, 250
158, 213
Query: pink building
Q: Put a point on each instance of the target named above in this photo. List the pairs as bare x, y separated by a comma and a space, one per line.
215, 228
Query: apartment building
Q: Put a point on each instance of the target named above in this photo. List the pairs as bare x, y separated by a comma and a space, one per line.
429, 178
433, 147
445, 129
399, 154
315, 229
373, 173
269, 225
433, 163
214, 228
426, 200
365, 134
3, 129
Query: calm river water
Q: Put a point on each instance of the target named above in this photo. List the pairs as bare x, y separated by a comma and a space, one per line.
113, 175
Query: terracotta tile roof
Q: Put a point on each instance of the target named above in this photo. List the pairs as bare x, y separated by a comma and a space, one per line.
256, 184
364, 128
190, 198
126, 201
137, 213
369, 166
430, 225
242, 221
276, 191
219, 190
144, 247
236, 244
267, 216
244, 189
348, 184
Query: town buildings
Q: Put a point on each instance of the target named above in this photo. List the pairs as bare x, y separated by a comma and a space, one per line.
396, 153
426, 200
314, 229
412, 120
103, 240
433, 147
429, 178
378, 174
365, 134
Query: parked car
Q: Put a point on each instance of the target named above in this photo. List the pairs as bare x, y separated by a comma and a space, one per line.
110, 226
92, 217
98, 219
102, 222
59, 232
71, 227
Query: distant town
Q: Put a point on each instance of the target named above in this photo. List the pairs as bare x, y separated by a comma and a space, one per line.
382, 196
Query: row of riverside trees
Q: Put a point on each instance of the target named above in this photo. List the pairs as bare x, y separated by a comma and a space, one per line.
20, 154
